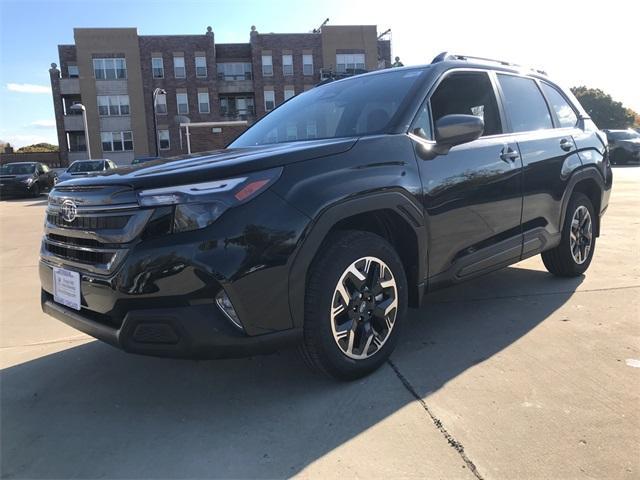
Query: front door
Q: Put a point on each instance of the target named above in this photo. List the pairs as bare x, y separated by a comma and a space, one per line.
472, 195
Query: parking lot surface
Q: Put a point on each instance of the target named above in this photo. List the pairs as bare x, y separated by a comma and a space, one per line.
515, 375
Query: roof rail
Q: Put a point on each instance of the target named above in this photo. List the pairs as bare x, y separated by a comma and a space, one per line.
446, 56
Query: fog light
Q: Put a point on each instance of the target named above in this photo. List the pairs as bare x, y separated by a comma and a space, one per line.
224, 304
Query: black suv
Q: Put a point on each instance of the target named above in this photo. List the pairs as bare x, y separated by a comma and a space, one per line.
624, 146
329, 217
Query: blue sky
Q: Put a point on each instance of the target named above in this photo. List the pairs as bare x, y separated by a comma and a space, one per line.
574, 42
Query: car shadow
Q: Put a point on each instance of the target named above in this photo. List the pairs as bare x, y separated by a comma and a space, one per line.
93, 411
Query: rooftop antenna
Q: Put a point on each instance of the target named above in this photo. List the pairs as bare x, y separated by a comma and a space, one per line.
317, 30
388, 30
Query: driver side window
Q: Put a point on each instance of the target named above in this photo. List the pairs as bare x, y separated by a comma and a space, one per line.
468, 93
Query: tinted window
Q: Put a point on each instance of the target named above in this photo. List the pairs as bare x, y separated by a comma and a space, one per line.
361, 105
524, 104
566, 116
628, 135
86, 166
17, 169
468, 93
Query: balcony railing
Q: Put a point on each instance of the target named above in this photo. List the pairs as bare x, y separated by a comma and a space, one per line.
234, 78
328, 74
239, 113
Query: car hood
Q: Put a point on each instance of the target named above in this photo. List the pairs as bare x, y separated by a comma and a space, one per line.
214, 165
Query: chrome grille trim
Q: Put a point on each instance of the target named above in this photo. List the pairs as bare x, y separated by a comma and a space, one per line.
86, 210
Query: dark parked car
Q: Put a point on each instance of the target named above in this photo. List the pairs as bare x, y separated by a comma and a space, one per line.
26, 179
322, 223
81, 168
624, 146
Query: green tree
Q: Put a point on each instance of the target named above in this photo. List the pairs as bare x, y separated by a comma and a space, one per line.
38, 148
604, 110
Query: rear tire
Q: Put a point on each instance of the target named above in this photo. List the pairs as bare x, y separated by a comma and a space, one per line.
355, 305
573, 255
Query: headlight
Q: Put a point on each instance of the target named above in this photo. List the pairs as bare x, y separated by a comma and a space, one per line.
28, 181
198, 205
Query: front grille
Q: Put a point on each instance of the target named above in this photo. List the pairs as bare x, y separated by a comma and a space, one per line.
78, 242
112, 222
108, 221
81, 256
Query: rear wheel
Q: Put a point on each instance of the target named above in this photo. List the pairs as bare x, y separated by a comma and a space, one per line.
354, 306
577, 245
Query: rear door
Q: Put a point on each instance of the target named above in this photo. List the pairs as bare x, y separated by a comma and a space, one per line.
473, 194
548, 156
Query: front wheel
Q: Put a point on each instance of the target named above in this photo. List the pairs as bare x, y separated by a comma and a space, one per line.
35, 190
575, 252
354, 305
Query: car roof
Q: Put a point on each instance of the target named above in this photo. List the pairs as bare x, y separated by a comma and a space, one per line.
22, 163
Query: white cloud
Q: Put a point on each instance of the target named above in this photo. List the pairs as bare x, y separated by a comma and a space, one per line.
28, 88
44, 124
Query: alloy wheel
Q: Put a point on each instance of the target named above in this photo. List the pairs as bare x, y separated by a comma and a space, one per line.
364, 308
581, 235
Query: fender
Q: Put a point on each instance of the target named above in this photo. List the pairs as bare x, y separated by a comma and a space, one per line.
585, 173
318, 230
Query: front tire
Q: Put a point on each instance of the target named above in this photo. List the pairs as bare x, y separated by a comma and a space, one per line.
355, 305
574, 254
35, 190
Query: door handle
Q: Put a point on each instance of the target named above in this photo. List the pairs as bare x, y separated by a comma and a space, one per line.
509, 155
566, 144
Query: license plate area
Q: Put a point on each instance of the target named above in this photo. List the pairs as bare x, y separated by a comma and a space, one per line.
66, 288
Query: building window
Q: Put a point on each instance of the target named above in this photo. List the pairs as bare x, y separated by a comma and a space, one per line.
236, 106
116, 141
201, 67
349, 62
161, 104
183, 102
72, 71
157, 65
234, 71
113, 105
164, 139
269, 100
179, 70
288, 93
287, 65
109, 68
76, 142
267, 66
307, 64
203, 102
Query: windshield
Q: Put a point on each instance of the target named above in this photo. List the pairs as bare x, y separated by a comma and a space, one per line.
17, 169
361, 105
629, 135
86, 166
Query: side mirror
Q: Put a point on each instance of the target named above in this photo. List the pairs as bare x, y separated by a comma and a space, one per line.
452, 130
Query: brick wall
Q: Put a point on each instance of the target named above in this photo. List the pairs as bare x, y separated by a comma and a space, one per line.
188, 45
203, 139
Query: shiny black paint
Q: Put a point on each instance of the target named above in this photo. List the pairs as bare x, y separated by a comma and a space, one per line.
469, 211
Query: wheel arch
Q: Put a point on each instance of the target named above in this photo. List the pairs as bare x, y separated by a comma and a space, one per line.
392, 215
589, 182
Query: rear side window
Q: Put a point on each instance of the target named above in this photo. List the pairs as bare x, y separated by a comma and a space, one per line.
468, 93
524, 104
566, 116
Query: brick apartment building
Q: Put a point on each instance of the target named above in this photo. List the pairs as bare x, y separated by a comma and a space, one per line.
212, 91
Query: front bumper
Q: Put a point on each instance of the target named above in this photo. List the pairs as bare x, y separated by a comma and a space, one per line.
14, 188
182, 332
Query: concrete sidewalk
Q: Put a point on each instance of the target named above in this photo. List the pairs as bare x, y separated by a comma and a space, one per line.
514, 375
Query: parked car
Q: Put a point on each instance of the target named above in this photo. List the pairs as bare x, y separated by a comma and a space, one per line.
81, 168
26, 179
323, 222
624, 146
